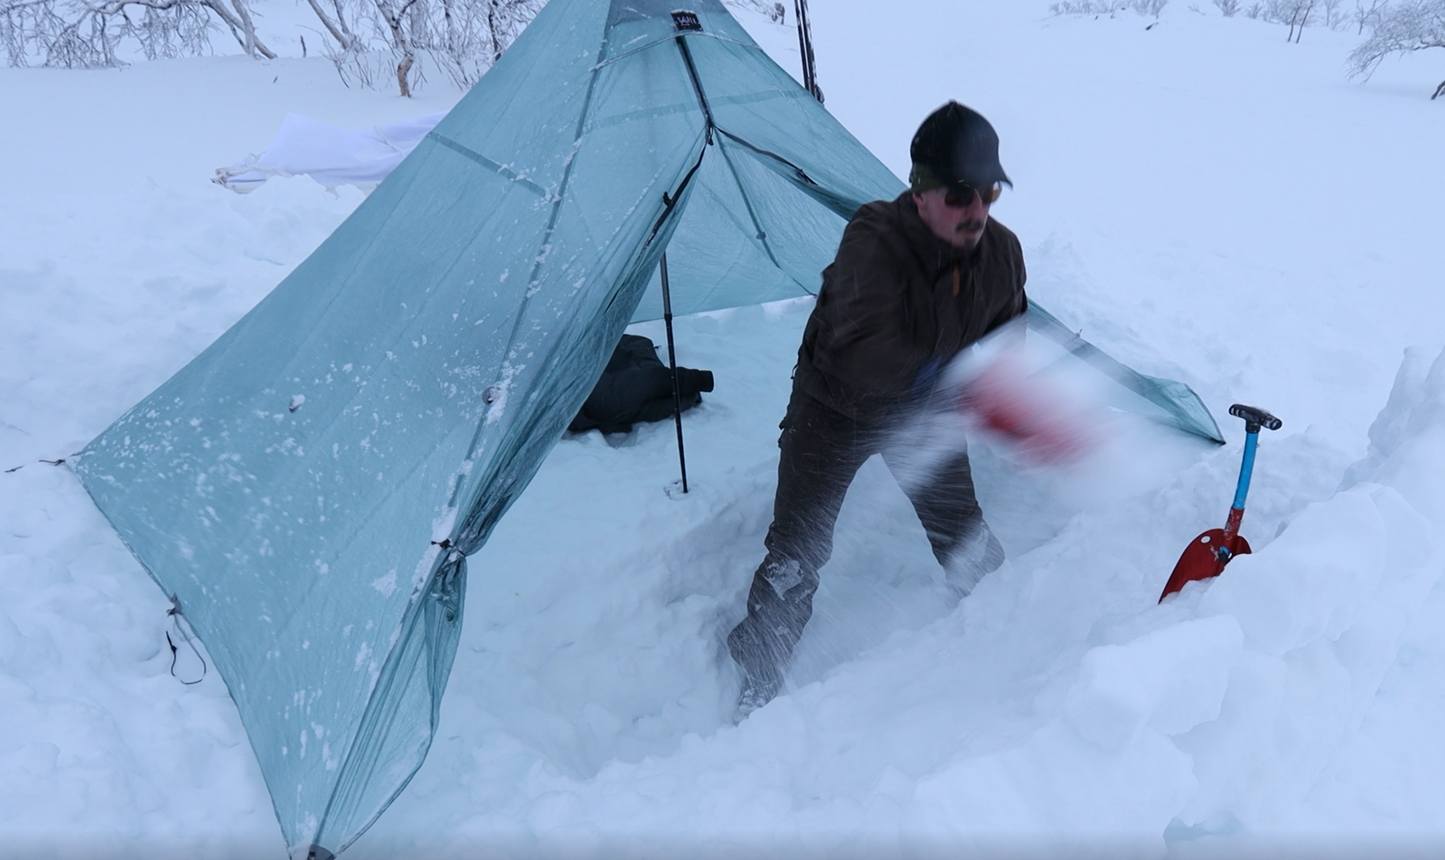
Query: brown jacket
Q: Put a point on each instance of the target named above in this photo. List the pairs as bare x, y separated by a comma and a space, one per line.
898, 303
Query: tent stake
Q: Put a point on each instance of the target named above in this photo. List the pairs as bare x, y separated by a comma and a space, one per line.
672, 365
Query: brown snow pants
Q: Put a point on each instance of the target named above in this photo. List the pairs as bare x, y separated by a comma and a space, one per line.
821, 451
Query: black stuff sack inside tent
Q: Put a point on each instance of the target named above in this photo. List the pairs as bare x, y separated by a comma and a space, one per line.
637, 387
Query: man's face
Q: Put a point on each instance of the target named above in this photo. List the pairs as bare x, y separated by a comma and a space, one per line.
960, 226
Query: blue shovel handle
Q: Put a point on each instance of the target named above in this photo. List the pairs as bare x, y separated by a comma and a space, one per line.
1246, 468
1254, 419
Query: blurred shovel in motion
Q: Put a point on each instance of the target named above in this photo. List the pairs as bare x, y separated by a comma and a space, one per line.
1207, 555
1005, 392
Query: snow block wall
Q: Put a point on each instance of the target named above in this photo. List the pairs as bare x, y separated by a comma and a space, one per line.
1240, 709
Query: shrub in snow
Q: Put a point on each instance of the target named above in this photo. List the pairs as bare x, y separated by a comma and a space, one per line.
1365, 15
1333, 16
372, 40
78, 34
774, 10
1298, 14
369, 41
1107, 7
1413, 25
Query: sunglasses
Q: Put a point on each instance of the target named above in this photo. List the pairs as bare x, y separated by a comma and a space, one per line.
959, 196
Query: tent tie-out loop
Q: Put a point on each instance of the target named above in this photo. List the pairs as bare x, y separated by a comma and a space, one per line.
448, 575
175, 613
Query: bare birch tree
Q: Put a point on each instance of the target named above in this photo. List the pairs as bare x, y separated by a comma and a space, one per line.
372, 40
1333, 16
1413, 25
81, 34
1297, 14
1366, 15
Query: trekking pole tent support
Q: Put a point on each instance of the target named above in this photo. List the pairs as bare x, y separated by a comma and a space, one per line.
805, 50
672, 366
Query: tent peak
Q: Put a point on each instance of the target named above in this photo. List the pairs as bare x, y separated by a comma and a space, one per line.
624, 11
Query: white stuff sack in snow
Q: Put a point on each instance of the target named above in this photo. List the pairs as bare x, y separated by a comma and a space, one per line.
330, 155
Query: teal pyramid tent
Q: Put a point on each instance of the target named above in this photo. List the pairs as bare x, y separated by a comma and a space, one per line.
309, 488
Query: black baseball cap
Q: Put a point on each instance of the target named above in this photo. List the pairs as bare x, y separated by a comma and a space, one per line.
955, 145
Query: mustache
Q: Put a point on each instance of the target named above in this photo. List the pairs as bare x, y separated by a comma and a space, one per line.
972, 226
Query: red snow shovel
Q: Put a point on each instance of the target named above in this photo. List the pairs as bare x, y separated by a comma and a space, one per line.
1207, 554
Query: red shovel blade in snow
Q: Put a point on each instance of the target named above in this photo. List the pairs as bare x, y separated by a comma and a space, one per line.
1206, 555
1202, 559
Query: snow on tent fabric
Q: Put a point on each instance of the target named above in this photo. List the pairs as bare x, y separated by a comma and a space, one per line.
310, 486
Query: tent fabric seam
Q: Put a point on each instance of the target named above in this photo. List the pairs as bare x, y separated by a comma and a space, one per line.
501, 170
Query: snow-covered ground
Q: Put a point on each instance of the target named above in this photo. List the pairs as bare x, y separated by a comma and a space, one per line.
1202, 199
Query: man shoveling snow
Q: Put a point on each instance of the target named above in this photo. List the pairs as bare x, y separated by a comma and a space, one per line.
916, 281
